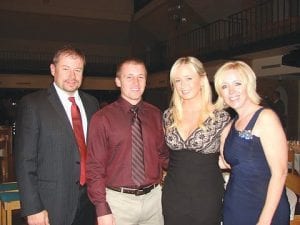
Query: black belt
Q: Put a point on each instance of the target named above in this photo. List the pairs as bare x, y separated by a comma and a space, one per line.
140, 191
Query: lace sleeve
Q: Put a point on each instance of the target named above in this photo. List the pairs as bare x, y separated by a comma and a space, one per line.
167, 118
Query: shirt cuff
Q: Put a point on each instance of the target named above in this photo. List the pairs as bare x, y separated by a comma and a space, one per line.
103, 209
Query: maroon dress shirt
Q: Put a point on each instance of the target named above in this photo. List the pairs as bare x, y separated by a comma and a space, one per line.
109, 149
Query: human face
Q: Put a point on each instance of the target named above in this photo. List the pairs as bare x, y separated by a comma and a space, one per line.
67, 72
132, 82
233, 90
187, 82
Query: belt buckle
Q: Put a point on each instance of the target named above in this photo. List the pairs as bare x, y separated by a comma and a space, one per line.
139, 192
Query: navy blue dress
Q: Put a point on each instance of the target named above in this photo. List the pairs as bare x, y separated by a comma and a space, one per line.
250, 174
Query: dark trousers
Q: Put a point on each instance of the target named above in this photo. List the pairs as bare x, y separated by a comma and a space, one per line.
85, 213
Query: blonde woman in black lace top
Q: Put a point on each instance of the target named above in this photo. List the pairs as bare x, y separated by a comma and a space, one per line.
194, 185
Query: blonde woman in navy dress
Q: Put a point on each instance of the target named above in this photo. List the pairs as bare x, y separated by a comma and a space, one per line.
254, 147
194, 186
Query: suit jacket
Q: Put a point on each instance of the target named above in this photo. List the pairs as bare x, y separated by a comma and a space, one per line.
47, 156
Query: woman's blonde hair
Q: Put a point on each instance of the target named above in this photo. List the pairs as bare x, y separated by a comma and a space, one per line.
205, 104
248, 79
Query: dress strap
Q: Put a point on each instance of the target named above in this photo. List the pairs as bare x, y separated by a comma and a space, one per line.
252, 122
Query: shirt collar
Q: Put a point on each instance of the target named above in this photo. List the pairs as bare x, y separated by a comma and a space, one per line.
127, 106
65, 95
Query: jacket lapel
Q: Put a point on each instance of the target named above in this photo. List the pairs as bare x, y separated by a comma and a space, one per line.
87, 108
57, 105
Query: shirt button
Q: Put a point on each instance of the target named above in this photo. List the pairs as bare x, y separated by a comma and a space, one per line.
77, 162
77, 182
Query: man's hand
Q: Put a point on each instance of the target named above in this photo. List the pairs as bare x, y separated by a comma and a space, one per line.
106, 220
40, 218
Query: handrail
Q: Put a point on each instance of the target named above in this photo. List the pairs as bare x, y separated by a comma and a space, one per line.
266, 21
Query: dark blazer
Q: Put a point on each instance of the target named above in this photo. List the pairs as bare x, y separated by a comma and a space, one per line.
47, 156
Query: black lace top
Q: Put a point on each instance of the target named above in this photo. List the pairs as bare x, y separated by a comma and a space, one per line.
201, 140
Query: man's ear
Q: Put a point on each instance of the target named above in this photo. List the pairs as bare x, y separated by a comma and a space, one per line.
52, 69
118, 82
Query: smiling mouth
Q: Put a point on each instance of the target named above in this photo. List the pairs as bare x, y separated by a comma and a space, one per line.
234, 98
72, 82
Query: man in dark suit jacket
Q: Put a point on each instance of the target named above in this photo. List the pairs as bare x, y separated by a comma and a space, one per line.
47, 154
278, 106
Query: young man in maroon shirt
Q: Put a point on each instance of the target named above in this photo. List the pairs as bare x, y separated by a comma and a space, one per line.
118, 199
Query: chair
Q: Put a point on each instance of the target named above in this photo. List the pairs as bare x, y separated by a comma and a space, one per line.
9, 200
291, 158
4, 144
9, 186
293, 183
6, 157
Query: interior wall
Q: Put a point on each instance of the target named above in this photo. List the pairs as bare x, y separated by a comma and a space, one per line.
159, 97
272, 66
265, 87
98, 27
98, 9
13, 44
27, 81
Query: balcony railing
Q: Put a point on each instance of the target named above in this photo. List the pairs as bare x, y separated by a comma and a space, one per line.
270, 21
